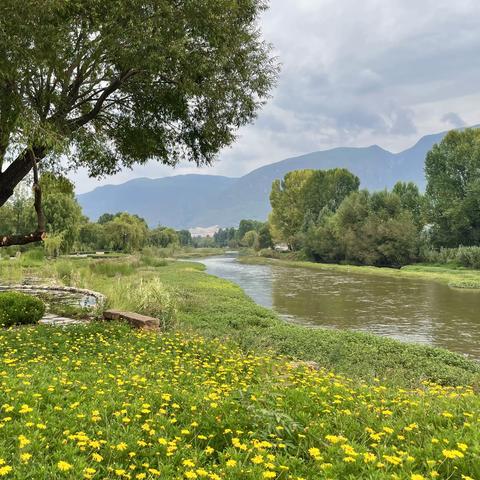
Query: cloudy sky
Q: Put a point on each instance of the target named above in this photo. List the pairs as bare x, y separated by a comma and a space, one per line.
354, 73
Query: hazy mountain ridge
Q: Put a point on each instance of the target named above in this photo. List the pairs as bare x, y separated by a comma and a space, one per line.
186, 201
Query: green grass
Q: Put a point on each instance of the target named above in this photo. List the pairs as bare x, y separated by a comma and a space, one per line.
216, 308
453, 276
105, 402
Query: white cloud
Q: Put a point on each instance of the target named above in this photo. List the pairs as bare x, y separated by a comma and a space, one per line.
355, 73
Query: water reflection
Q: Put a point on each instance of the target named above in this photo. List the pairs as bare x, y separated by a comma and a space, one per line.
404, 309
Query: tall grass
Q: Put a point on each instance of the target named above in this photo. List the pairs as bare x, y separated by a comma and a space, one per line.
468, 257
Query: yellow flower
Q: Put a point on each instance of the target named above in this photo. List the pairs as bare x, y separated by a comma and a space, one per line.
334, 439
25, 457
5, 469
369, 457
97, 457
64, 466
269, 474
190, 474
257, 459
452, 454
231, 463
314, 452
416, 476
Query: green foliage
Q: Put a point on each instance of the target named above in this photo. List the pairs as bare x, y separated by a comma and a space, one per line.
125, 232
184, 238
250, 240
374, 229
18, 308
163, 237
265, 240
303, 197
247, 226
124, 84
468, 257
452, 169
226, 237
411, 200
288, 205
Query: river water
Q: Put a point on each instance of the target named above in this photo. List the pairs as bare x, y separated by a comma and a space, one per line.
405, 309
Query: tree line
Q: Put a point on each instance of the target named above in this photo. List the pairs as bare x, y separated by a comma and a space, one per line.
325, 215
68, 230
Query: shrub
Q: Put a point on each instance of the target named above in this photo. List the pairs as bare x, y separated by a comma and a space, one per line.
469, 257
18, 308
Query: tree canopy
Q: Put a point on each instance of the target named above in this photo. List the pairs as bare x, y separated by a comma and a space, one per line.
111, 84
452, 169
303, 195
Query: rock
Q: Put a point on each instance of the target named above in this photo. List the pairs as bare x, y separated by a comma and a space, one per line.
309, 364
134, 319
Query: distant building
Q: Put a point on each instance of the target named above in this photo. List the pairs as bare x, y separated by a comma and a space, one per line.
204, 231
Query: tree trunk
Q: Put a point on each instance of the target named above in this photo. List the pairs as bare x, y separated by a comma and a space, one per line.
18, 170
21, 165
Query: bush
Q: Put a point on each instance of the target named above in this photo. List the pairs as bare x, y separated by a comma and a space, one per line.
469, 257
18, 308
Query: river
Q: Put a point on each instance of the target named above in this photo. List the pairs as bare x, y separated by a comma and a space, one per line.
408, 310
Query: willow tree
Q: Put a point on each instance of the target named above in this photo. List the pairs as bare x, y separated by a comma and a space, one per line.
107, 85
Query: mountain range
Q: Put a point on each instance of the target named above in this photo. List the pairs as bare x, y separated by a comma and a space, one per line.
187, 201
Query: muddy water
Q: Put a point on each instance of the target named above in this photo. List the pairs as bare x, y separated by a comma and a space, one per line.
405, 309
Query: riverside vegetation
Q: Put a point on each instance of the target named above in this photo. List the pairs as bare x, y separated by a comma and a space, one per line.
218, 395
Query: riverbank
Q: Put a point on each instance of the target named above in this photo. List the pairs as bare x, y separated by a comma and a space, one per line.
453, 277
215, 308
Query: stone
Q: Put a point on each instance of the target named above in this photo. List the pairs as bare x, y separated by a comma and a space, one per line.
134, 319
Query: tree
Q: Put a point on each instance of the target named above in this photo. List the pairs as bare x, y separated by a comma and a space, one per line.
374, 229
288, 205
452, 169
250, 240
125, 232
303, 196
326, 189
162, 237
247, 226
63, 214
105, 218
111, 84
265, 237
185, 238
411, 200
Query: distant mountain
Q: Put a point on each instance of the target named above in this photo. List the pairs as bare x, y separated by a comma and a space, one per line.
173, 201
186, 201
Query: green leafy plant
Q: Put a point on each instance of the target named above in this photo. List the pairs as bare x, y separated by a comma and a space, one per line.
19, 308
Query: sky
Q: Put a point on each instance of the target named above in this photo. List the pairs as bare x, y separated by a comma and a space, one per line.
353, 73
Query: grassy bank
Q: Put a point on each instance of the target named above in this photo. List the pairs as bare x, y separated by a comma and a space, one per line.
456, 277
216, 308
103, 401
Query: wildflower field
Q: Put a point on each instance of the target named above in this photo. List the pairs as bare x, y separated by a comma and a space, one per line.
103, 401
